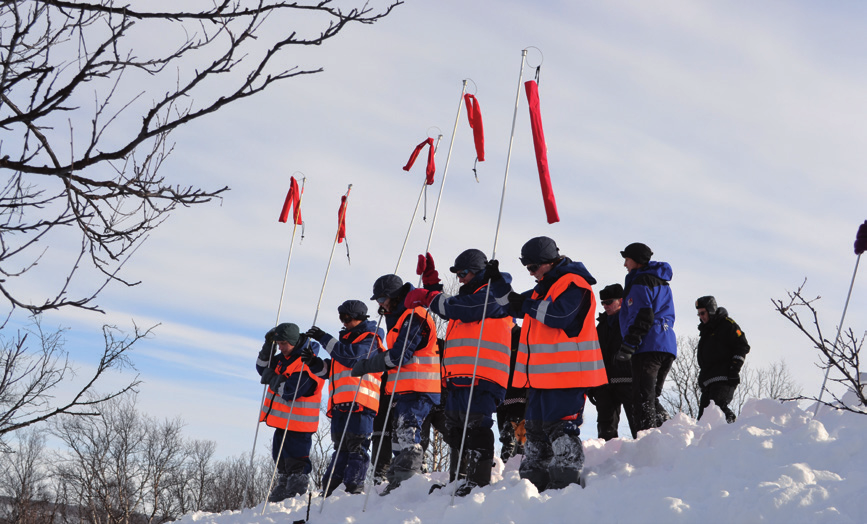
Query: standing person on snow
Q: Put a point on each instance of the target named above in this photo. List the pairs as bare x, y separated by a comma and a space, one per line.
285, 377
464, 313
722, 350
411, 334
558, 358
359, 339
510, 413
618, 392
647, 327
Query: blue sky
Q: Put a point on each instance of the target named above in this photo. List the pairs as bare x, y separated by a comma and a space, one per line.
727, 136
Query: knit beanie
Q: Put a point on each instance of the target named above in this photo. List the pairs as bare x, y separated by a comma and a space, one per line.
287, 332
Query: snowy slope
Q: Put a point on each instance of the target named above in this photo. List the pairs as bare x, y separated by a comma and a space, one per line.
775, 464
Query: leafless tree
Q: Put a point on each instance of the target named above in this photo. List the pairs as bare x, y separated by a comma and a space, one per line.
24, 481
31, 378
840, 356
192, 483
88, 98
230, 479
322, 449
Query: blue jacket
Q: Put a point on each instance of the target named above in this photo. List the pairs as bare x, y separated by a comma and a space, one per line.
647, 311
286, 390
349, 354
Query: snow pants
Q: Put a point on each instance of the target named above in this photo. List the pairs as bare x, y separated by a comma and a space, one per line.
381, 438
293, 463
649, 370
722, 394
350, 465
553, 454
410, 411
478, 458
609, 399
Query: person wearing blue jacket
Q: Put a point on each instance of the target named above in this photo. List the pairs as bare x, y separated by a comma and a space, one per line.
465, 312
292, 401
647, 327
417, 388
359, 339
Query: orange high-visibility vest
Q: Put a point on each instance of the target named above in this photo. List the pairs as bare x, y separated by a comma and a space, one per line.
343, 385
462, 342
549, 359
422, 373
304, 415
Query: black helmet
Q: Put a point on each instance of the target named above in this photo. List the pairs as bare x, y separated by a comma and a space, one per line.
471, 259
387, 286
708, 303
355, 309
539, 250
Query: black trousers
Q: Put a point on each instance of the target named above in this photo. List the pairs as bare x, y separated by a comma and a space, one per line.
722, 394
648, 377
609, 399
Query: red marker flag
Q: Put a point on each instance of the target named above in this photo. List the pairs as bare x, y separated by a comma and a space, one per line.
474, 115
293, 200
541, 151
341, 219
431, 168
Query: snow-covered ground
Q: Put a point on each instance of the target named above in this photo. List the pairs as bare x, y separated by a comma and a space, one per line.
775, 464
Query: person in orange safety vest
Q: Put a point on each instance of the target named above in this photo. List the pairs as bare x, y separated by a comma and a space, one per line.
558, 358
465, 352
291, 406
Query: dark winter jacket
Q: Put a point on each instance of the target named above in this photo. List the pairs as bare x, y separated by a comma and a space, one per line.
608, 329
647, 311
307, 385
343, 351
722, 348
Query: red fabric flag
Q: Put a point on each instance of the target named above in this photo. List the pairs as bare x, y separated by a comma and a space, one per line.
431, 168
474, 114
293, 200
341, 219
541, 151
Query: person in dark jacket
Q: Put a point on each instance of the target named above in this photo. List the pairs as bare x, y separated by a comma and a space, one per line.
470, 349
413, 368
558, 358
353, 401
722, 350
618, 392
647, 327
291, 406
510, 414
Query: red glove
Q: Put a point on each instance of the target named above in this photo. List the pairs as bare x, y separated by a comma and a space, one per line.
426, 268
419, 297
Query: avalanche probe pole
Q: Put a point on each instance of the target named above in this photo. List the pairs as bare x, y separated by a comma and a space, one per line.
837, 338
488, 287
277, 322
301, 371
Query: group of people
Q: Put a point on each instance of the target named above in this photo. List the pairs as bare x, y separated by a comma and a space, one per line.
535, 376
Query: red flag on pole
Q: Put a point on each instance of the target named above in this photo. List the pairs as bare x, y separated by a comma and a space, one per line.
431, 168
541, 151
341, 219
474, 115
293, 200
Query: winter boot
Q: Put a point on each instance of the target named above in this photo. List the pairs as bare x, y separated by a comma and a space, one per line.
478, 472
296, 484
278, 491
565, 467
661, 414
534, 467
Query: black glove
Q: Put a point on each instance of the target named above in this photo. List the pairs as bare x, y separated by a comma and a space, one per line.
316, 334
269, 336
492, 271
271, 378
591, 395
516, 301
374, 364
735, 371
625, 353
307, 354
267, 351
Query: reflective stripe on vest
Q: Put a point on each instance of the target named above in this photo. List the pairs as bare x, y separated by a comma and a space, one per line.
549, 359
303, 414
462, 344
422, 373
343, 385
